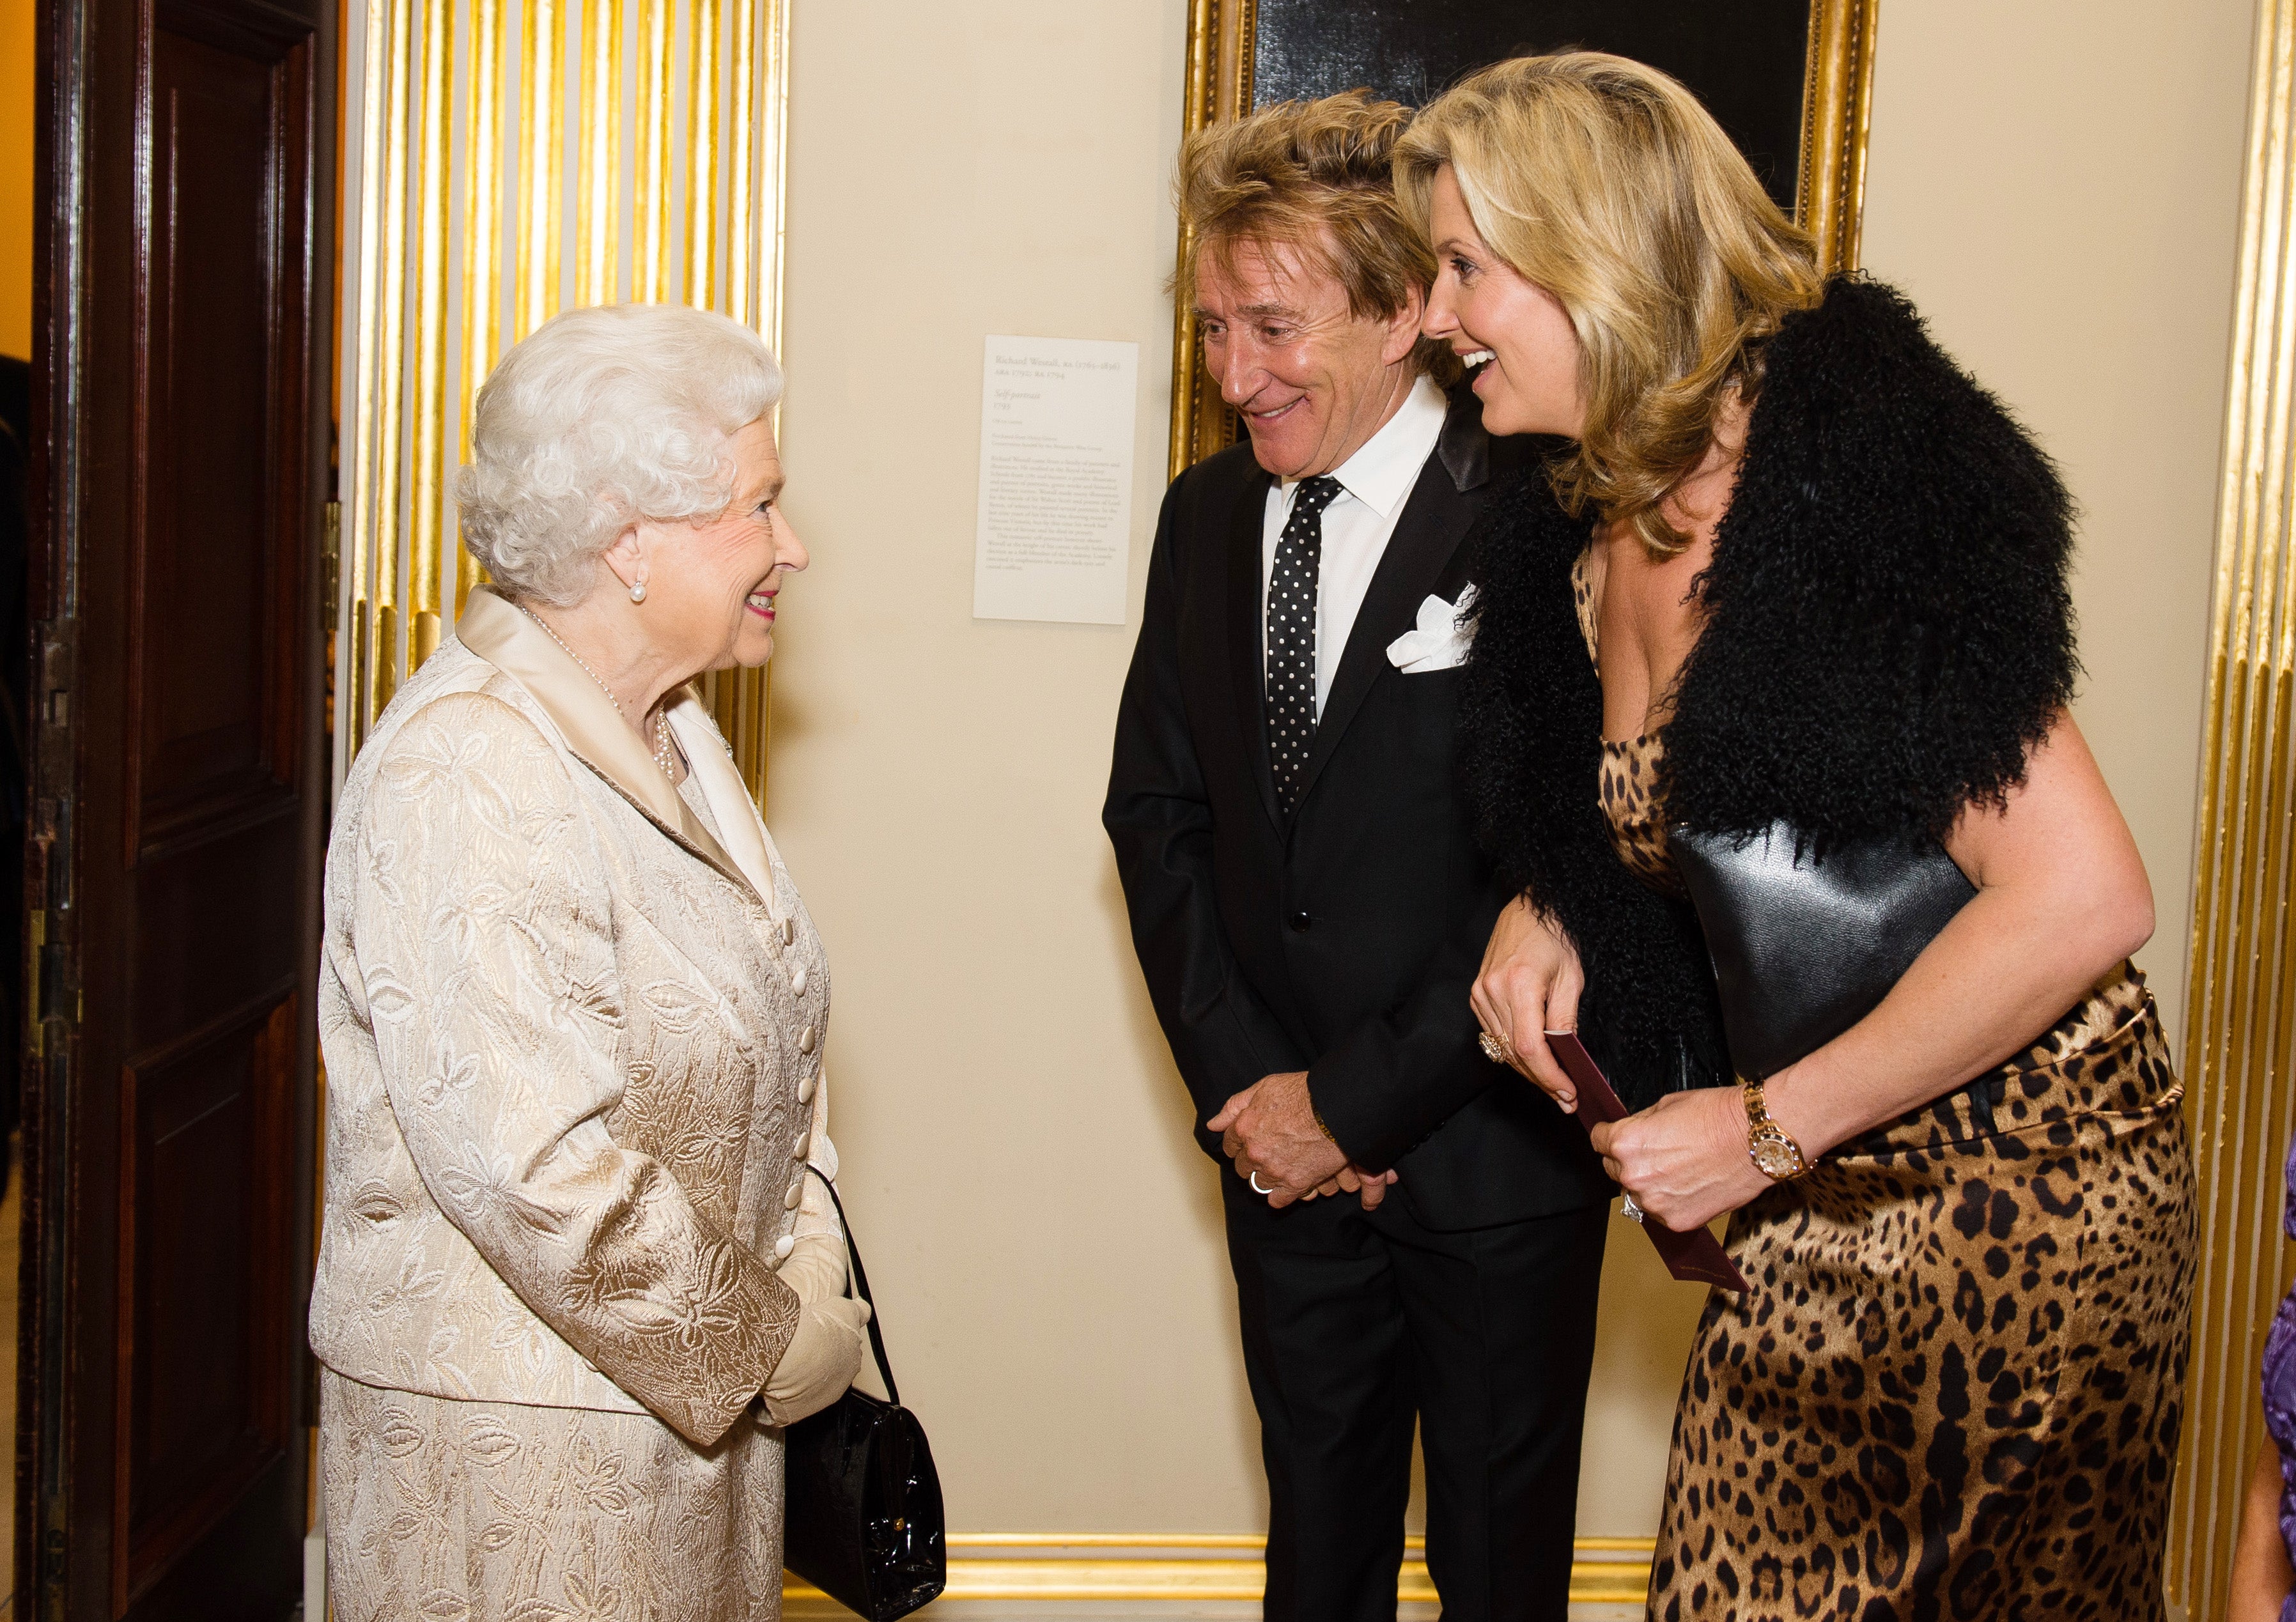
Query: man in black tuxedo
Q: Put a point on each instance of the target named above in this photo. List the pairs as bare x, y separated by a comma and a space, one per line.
1309, 906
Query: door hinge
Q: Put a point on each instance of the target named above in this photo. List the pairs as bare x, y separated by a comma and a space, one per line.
59, 647
36, 955
49, 995
49, 886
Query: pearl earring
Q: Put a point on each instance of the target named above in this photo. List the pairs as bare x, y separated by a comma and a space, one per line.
637, 592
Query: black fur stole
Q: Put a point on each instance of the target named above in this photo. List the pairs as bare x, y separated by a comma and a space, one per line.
1888, 632
1530, 721
1888, 625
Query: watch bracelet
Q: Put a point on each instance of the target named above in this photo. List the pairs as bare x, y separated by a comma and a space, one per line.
1762, 1126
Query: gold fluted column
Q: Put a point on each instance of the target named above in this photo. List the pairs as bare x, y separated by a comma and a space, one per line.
386, 549
472, 100
702, 215
655, 260
598, 265
742, 700
2238, 1021
741, 169
762, 65
354, 647
425, 528
482, 224
540, 118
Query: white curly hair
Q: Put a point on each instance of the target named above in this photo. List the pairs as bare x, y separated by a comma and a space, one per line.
598, 418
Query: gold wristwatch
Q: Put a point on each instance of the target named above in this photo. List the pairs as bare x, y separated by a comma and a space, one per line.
1771, 1148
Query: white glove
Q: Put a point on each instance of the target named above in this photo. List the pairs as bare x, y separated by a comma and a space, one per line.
825, 1355
814, 1268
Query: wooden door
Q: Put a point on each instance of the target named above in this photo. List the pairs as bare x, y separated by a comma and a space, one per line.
178, 475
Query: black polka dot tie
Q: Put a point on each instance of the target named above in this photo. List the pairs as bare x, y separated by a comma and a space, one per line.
1292, 590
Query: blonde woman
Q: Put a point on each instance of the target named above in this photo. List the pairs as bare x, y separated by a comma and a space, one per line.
1797, 583
576, 1275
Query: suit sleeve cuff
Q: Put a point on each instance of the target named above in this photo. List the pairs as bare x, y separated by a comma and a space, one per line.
1375, 1115
1336, 1093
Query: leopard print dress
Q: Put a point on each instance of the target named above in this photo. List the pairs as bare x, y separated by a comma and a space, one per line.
1956, 1387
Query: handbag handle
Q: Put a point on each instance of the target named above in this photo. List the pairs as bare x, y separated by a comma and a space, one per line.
860, 1283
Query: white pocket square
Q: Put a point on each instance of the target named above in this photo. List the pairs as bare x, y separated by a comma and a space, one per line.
1438, 641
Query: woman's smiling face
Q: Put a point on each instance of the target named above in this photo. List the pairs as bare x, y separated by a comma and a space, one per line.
1513, 333
713, 584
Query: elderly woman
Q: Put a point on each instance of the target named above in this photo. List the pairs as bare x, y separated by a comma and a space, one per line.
576, 1275
1821, 649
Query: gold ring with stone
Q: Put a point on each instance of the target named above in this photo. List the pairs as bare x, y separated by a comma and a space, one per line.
1493, 1049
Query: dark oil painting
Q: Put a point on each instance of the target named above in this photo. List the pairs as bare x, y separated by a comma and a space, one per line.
1745, 59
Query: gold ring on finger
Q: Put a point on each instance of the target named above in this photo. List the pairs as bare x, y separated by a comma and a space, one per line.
1494, 1050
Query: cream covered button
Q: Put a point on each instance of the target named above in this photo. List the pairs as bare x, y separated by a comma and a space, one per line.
795, 1197
805, 1090
783, 1247
797, 980
789, 931
806, 1039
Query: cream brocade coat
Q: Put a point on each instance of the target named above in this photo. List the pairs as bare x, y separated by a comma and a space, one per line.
573, 1048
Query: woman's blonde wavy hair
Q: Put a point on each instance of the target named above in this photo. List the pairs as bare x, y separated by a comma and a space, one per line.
1607, 183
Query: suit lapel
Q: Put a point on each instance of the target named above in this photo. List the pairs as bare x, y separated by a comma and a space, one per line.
1434, 519
1246, 661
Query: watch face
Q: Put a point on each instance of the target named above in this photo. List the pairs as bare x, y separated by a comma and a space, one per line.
1773, 1157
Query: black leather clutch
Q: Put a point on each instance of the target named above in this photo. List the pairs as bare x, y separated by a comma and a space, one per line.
1804, 948
865, 1523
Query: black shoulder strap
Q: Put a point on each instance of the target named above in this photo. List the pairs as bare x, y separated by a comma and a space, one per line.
861, 1286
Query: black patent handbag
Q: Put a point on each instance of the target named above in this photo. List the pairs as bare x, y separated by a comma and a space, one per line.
864, 1522
1804, 945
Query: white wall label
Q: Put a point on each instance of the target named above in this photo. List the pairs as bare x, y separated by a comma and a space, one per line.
1055, 524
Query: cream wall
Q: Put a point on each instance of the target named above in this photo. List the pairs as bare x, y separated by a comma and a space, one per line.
1043, 1236
2057, 184
2055, 181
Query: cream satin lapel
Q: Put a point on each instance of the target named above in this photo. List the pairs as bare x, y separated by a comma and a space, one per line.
508, 639
712, 764
688, 832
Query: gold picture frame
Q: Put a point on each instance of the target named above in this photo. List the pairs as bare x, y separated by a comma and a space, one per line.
1829, 190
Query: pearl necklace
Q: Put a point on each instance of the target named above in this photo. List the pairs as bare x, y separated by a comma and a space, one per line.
662, 755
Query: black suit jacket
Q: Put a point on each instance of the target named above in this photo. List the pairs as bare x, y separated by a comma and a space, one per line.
1342, 941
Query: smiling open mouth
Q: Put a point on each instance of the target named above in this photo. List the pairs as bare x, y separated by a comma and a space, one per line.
1477, 357
1270, 417
761, 602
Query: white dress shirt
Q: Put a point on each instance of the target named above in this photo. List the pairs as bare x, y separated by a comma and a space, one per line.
1373, 485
